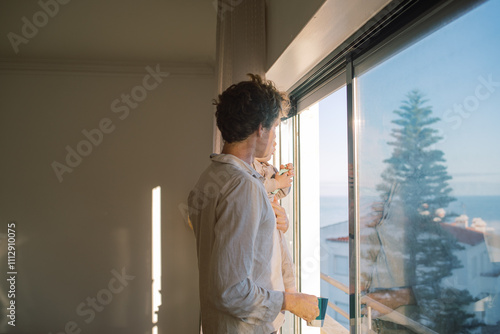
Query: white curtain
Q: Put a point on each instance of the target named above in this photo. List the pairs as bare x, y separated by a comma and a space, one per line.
241, 45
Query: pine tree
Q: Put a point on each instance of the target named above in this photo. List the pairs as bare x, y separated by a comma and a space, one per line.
416, 180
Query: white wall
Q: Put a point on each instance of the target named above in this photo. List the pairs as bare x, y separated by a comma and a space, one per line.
72, 234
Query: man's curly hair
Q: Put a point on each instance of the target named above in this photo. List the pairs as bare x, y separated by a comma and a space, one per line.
244, 106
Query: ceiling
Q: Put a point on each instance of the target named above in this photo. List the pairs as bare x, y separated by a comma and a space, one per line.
176, 31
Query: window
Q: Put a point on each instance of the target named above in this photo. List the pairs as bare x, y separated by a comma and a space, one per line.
341, 265
321, 161
421, 108
421, 112
323, 194
342, 320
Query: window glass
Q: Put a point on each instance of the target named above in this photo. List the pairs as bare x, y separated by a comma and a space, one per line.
324, 247
341, 265
340, 319
428, 168
334, 201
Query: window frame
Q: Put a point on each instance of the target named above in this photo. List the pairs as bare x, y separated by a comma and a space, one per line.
397, 25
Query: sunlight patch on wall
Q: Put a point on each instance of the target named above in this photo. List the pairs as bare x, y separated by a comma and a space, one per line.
156, 256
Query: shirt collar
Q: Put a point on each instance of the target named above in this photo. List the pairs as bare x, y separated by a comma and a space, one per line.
237, 162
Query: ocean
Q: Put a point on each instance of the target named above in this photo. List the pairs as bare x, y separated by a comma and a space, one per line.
484, 207
334, 209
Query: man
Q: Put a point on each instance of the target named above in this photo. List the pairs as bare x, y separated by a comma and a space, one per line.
240, 261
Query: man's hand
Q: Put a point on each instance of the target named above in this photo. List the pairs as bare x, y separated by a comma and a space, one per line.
281, 217
302, 305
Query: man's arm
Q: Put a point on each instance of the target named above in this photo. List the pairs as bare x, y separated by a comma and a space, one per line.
232, 289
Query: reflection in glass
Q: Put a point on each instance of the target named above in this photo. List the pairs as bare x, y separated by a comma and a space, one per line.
429, 182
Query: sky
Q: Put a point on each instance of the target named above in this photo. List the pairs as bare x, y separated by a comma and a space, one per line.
457, 69
333, 144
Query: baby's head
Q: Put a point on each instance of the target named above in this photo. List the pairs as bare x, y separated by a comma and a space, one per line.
267, 156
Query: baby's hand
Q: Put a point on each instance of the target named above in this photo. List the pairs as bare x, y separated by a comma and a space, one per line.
285, 180
289, 166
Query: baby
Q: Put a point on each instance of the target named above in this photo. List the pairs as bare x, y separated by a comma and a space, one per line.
277, 183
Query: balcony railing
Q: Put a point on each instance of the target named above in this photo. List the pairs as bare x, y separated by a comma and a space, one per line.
370, 303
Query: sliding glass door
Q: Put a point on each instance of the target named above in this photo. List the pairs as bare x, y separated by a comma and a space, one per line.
422, 242
428, 167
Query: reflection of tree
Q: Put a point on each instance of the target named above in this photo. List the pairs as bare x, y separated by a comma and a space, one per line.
414, 165
415, 187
